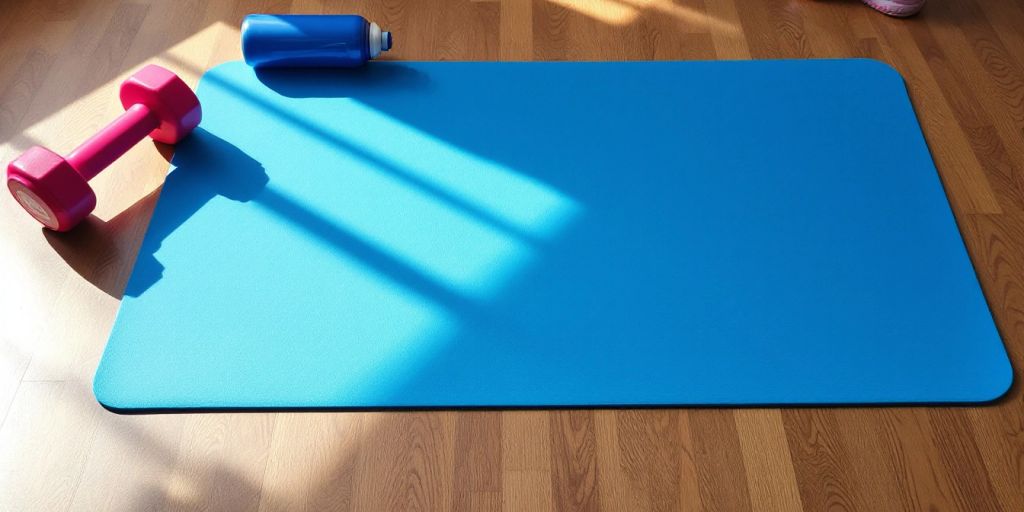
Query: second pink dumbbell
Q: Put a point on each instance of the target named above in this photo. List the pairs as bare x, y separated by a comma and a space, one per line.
55, 189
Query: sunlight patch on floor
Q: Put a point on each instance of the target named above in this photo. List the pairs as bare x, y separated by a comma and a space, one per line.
684, 14
612, 12
624, 12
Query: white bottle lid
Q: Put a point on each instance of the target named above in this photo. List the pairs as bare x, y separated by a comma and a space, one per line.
379, 40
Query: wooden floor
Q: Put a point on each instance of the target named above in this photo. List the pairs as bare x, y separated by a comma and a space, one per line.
60, 62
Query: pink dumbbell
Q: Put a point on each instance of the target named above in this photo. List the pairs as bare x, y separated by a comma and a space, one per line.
55, 190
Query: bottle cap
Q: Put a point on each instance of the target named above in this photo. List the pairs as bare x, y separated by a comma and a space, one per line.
379, 41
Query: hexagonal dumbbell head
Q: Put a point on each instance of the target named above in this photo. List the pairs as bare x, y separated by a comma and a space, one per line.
169, 98
55, 190
52, 191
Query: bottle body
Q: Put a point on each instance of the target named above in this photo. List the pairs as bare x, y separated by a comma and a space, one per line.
310, 40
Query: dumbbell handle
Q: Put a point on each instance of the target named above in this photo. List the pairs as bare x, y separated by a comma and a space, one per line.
100, 150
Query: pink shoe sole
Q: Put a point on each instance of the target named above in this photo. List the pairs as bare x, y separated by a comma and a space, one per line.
897, 8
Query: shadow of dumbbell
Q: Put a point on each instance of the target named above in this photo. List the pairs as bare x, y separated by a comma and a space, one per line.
206, 167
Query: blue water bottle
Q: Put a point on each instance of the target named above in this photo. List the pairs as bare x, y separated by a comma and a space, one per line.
311, 40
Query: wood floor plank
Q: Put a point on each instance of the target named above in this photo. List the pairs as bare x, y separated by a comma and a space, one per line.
999, 435
526, 490
958, 451
727, 34
28, 74
767, 460
929, 481
24, 27
689, 475
313, 462
997, 81
958, 72
877, 458
775, 30
411, 459
44, 445
526, 461
651, 452
1005, 18
615, 491
828, 35
142, 451
515, 32
550, 25
821, 461
646, 461
221, 463
478, 459
78, 74
574, 461
721, 473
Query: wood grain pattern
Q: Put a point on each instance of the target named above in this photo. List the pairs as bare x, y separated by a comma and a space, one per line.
721, 473
60, 62
574, 460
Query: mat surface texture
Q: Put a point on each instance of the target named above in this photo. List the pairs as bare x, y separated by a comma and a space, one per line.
553, 234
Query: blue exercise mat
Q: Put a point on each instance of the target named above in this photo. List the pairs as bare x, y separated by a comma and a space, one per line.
553, 234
